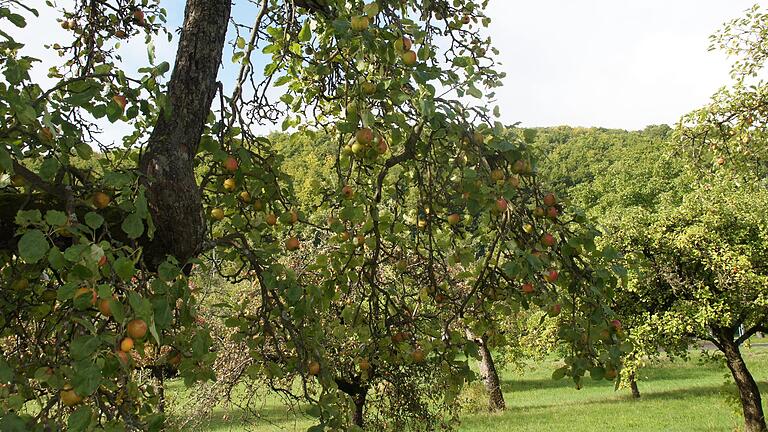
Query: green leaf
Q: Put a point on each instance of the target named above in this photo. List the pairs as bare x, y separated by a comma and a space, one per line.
33, 246
133, 226
124, 268
80, 419
87, 378
306, 33
83, 346
93, 220
55, 218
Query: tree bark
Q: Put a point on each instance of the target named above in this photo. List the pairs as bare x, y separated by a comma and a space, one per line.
749, 393
633, 386
168, 163
358, 415
491, 377
358, 392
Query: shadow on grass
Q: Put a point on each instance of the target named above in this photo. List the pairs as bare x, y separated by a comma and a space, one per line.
264, 417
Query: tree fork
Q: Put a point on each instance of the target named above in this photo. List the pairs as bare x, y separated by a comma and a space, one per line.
168, 163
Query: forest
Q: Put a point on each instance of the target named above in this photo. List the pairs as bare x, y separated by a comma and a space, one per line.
392, 256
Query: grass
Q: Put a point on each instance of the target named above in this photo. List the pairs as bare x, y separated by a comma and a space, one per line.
676, 396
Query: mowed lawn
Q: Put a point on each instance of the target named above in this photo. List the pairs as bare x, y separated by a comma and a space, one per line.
676, 396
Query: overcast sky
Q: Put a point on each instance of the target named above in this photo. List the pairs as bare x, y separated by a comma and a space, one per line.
611, 63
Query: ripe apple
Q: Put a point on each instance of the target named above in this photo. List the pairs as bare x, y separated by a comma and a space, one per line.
138, 15
518, 167
501, 205
85, 291
217, 214
347, 191
313, 368
271, 219
514, 181
418, 355
381, 145
552, 212
359, 240
230, 163
292, 244
550, 200
409, 58
454, 219
101, 200
616, 324
230, 184
554, 310
364, 136
403, 44
258, 205
294, 217
121, 101
345, 236
527, 288
69, 397
121, 34
528, 228
548, 240
245, 197
137, 328
364, 365
465, 19
497, 175
174, 358
539, 212
551, 276
126, 345
360, 23
105, 308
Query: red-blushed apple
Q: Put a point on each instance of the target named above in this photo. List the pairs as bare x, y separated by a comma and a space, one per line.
294, 217
527, 288
548, 240
137, 328
514, 181
105, 308
121, 101
454, 219
550, 200
551, 276
409, 58
403, 44
616, 324
364, 136
87, 291
552, 212
271, 219
231, 164
292, 244
501, 205
126, 345
138, 15
347, 191
364, 365
554, 310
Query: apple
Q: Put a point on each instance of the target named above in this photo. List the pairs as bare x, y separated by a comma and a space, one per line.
105, 308
348, 192
345, 236
611, 374
46, 134
403, 44
103, 261
126, 345
69, 397
514, 181
359, 240
84, 291
258, 205
360, 23
497, 175
137, 328
551, 276
454, 219
121, 101
422, 223
138, 15
122, 356
518, 167
245, 197
527, 288
294, 217
364, 365
381, 145
616, 324
418, 355
465, 19
501, 205
292, 244
528, 228
548, 240
364, 136
552, 212
313, 368
217, 214
409, 58
550, 200
358, 148
369, 88
271, 219
230, 184
554, 310
101, 200
230, 163
121, 34
174, 358
539, 212
352, 108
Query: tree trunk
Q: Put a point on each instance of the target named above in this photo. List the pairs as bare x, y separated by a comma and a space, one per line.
491, 378
749, 393
357, 416
168, 163
633, 386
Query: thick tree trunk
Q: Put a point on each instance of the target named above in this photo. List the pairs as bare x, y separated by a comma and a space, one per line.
358, 392
358, 415
749, 393
633, 386
168, 163
491, 378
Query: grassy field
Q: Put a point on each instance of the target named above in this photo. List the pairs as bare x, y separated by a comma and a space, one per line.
676, 396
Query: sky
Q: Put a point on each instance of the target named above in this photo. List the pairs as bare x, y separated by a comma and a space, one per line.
609, 63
